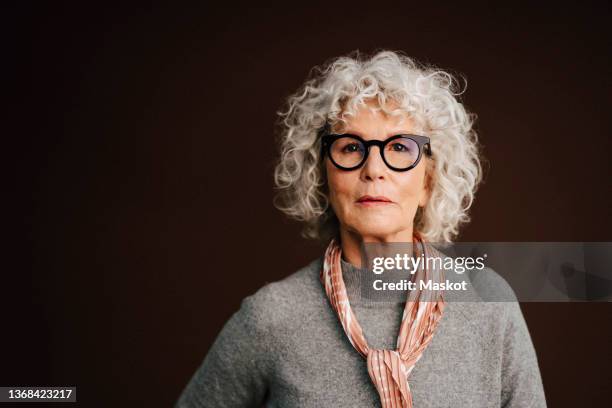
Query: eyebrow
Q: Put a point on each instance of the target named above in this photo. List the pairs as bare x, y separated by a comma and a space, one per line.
397, 132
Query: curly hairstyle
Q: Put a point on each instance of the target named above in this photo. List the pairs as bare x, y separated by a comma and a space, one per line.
334, 91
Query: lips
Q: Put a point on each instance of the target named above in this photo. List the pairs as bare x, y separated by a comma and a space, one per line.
373, 199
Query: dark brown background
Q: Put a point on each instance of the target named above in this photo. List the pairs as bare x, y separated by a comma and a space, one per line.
132, 239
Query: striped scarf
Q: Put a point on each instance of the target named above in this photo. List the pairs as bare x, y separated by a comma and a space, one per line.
389, 369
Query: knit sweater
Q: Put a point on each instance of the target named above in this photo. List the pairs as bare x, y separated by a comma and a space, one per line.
285, 347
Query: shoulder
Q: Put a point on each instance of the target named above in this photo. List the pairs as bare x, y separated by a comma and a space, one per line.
283, 299
491, 286
483, 284
496, 312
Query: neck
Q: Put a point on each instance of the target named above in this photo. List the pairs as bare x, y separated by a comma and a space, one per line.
351, 243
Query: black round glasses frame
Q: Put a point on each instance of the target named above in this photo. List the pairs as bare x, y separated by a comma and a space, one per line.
327, 139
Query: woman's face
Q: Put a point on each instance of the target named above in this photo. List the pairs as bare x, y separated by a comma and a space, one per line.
377, 221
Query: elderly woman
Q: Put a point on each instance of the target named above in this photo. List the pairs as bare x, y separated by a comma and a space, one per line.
374, 150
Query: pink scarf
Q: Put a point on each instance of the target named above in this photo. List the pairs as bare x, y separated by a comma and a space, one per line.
389, 369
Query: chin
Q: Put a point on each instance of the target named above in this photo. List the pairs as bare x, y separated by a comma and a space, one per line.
376, 230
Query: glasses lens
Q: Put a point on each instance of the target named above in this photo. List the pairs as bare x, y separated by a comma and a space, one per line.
347, 151
402, 152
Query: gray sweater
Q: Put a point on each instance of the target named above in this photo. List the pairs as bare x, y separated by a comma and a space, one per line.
285, 347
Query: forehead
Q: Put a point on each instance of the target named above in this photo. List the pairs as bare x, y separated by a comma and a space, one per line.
370, 118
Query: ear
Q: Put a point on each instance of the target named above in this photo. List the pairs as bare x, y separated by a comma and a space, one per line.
424, 199
427, 187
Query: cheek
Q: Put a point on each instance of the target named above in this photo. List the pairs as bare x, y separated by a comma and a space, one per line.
412, 184
340, 185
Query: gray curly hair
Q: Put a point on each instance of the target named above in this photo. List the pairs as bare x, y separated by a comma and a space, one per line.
334, 91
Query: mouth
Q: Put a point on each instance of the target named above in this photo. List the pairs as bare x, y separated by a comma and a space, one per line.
373, 200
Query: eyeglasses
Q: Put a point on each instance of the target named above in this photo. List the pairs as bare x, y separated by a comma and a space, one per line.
349, 152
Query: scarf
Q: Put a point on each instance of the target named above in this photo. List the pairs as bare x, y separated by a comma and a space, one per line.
389, 369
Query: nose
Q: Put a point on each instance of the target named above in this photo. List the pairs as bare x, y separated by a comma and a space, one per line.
374, 167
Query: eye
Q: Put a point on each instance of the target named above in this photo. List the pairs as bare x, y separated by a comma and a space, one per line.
351, 148
399, 147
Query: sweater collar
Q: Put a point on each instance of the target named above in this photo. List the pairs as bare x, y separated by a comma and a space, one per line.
359, 288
